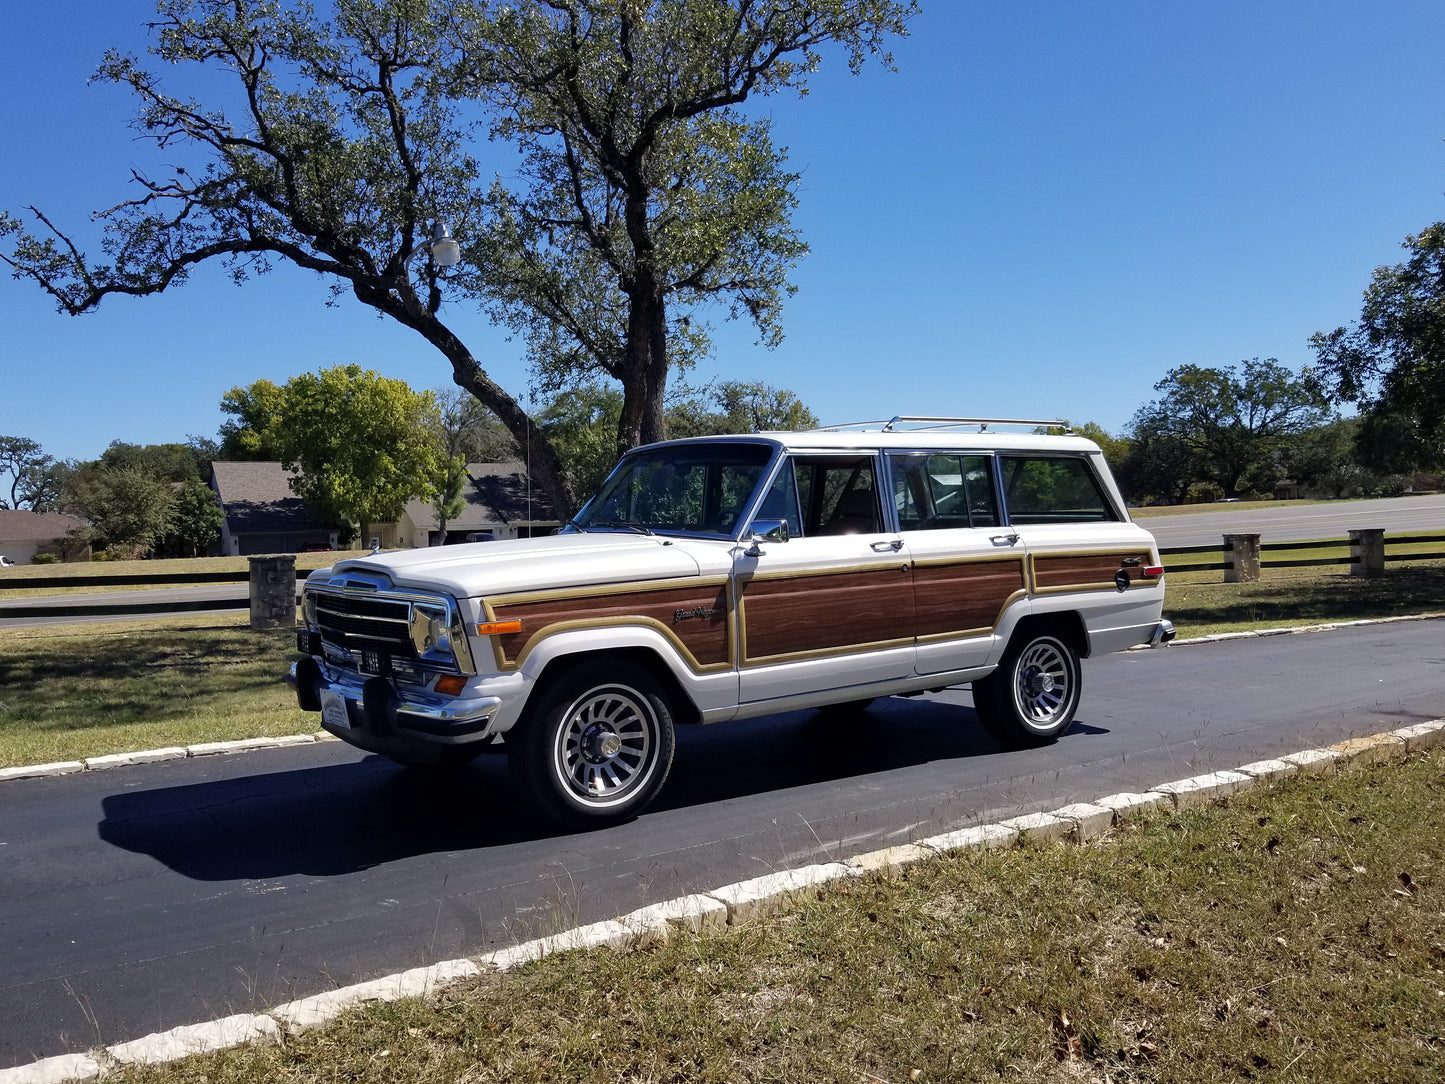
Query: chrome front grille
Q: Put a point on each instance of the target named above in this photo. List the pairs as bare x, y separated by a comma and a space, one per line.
380, 631
366, 624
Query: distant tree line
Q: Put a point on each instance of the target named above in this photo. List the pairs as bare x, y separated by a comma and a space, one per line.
359, 446
135, 500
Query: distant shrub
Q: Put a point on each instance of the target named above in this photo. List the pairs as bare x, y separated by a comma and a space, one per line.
45, 559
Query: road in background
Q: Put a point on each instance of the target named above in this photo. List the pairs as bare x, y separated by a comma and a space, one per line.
1299, 522
137, 899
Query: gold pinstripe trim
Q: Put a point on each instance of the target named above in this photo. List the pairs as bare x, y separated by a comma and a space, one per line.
897, 562
627, 587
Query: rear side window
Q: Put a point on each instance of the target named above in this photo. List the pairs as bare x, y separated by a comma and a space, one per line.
1053, 489
939, 491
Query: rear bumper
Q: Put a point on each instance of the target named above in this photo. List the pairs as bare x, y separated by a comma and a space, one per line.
1163, 633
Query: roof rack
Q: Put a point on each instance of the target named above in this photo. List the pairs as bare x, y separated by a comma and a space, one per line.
919, 423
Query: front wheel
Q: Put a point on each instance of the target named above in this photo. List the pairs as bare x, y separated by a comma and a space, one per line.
1032, 696
598, 744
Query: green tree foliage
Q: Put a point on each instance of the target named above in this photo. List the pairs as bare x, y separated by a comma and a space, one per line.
1392, 361
1160, 465
127, 511
1219, 424
344, 138
465, 432
160, 462
253, 430
363, 444
650, 195
581, 422
43, 488
195, 520
1323, 460
23, 461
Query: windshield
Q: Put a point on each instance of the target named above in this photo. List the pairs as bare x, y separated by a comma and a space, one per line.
692, 488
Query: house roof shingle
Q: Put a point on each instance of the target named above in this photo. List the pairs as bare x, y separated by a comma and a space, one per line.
257, 498
510, 493
23, 526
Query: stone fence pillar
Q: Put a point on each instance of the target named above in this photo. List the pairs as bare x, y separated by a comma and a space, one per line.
1242, 551
1367, 550
273, 591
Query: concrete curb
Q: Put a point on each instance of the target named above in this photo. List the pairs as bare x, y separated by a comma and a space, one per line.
150, 756
730, 905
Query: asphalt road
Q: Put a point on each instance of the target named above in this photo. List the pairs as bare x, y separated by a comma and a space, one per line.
136, 899
1299, 522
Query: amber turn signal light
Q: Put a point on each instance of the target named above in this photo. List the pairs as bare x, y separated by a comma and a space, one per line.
499, 628
451, 684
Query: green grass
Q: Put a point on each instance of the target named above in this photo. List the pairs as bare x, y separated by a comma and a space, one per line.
1200, 605
1294, 934
70, 691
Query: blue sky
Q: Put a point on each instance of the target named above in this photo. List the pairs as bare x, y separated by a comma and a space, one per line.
1047, 207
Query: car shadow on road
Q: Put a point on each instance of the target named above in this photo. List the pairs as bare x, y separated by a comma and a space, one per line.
336, 819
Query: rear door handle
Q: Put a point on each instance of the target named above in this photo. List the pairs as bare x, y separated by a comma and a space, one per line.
1003, 539
887, 547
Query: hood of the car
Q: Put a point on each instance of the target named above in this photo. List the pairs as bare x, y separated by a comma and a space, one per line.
525, 564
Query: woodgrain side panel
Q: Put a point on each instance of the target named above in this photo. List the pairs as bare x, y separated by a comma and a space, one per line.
826, 613
1084, 571
696, 616
964, 596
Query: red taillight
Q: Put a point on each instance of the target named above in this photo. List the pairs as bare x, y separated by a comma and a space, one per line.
1153, 570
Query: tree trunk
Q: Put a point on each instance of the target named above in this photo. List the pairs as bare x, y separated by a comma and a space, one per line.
644, 382
544, 464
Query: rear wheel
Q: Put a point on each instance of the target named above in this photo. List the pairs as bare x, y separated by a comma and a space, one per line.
1032, 696
597, 745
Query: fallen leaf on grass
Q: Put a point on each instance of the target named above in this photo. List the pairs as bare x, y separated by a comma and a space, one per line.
1070, 1047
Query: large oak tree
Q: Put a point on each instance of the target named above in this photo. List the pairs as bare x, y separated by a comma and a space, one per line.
641, 185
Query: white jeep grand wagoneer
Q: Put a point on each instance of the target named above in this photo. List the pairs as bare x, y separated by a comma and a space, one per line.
725, 577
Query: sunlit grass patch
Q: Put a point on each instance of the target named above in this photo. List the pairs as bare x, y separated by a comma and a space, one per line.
70, 691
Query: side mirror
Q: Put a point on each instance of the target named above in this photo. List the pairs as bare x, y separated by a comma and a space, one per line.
766, 530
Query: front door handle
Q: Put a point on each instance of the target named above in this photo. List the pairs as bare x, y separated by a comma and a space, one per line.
888, 547
1003, 539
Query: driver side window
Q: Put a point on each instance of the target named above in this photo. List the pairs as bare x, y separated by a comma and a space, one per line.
825, 495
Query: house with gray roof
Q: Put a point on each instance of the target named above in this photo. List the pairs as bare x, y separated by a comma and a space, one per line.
501, 502
262, 515
24, 534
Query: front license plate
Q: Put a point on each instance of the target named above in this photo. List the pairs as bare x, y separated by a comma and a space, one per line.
333, 710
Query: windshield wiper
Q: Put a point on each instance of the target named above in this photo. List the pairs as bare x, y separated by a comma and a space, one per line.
626, 525
574, 523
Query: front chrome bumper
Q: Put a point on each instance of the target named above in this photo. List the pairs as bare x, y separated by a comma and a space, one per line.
378, 707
